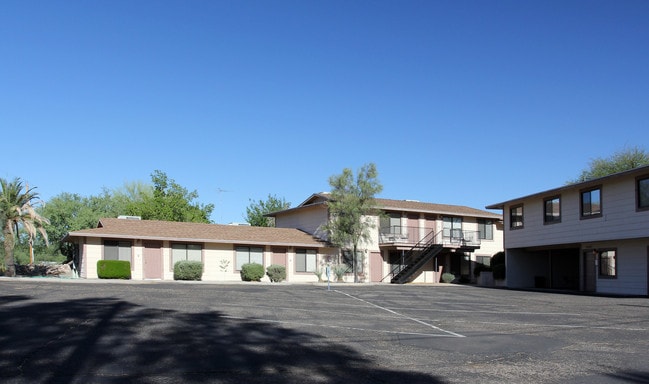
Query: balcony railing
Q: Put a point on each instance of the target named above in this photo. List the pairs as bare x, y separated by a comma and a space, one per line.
399, 234
460, 238
412, 235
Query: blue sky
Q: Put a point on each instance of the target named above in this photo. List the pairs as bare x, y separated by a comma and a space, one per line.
456, 102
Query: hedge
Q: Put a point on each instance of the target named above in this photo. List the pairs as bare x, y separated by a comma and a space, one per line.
188, 270
114, 269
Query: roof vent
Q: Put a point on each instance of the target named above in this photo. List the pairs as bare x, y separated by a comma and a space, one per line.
125, 217
241, 224
412, 201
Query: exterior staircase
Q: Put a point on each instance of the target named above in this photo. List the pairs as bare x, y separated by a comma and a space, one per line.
429, 247
415, 261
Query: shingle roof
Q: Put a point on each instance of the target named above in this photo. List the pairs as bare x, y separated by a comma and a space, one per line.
418, 206
198, 232
405, 206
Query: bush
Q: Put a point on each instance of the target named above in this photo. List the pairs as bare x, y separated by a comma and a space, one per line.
448, 277
480, 268
498, 265
188, 270
114, 269
252, 272
276, 273
339, 270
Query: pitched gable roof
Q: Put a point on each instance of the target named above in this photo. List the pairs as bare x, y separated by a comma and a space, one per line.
404, 206
197, 232
442, 209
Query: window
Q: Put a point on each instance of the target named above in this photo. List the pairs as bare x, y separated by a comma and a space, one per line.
305, 260
183, 252
452, 227
486, 229
591, 203
245, 255
642, 192
117, 250
516, 217
349, 261
552, 210
484, 260
391, 224
607, 263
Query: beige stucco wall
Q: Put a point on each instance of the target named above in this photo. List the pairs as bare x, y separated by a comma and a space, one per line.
219, 263
92, 253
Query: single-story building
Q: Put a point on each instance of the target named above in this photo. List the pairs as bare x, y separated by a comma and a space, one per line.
152, 248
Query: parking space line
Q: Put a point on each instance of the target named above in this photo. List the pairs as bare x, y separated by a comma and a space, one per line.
303, 324
495, 312
401, 315
568, 326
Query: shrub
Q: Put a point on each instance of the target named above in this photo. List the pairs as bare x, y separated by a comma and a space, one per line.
480, 268
318, 272
252, 272
188, 270
448, 277
276, 273
339, 270
114, 269
498, 265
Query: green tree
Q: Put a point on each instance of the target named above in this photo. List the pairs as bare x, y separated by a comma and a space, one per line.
171, 202
350, 204
17, 212
256, 211
622, 160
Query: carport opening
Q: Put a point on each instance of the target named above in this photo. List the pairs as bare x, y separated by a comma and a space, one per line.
549, 268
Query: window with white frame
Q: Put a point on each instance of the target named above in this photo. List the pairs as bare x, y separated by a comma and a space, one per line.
452, 227
484, 260
117, 250
185, 252
305, 260
486, 229
248, 255
391, 223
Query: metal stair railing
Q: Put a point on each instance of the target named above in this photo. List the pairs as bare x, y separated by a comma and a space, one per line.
410, 270
426, 243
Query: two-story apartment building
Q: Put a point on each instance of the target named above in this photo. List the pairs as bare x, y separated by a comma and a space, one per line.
412, 241
428, 238
591, 236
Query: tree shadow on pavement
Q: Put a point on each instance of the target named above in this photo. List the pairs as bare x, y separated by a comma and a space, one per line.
110, 341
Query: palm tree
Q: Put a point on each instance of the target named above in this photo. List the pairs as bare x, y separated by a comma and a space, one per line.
16, 211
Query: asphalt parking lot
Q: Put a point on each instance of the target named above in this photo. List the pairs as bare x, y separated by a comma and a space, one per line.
81, 331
